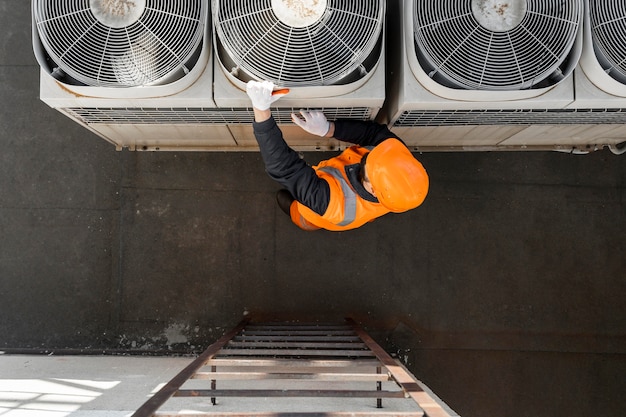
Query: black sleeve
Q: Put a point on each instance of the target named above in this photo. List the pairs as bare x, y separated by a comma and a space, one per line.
285, 166
362, 133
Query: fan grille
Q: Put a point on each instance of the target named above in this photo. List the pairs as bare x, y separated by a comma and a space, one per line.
323, 52
494, 44
608, 25
118, 43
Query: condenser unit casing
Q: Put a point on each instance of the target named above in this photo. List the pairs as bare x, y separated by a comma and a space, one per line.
198, 102
603, 60
429, 110
351, 86
133, 107
600, 78
600, 82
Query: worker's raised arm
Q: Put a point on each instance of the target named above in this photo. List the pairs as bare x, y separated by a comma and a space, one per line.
363, 133
282, 163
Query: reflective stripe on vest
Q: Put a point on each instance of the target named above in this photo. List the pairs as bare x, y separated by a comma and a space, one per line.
349, 196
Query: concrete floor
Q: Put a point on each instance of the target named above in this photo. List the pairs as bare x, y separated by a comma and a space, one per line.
115, 386
505, 292
81, 386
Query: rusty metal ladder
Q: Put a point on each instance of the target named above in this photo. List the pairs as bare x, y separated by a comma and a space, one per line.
294, 369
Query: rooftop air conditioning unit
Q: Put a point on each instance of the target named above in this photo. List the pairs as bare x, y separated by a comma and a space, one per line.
138, 73
601, 76
479, 73
329, 53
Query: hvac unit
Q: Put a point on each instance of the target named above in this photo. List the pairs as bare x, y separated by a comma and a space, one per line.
329, 53
601, 76
481, 74
138, 73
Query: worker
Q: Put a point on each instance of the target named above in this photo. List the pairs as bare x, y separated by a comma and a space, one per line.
375, 176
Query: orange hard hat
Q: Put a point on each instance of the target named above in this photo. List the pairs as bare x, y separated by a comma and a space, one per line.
399, 181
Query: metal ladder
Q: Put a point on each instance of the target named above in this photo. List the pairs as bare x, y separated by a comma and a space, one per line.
294, 369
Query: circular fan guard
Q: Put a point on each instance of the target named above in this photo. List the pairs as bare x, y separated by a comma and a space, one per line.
495, 44
120, 43
325, 50
608, 25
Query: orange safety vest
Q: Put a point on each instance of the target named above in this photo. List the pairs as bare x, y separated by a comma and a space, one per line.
346, 210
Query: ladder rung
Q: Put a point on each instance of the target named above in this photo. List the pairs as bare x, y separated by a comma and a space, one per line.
370, 413
299, 363
298, 333
287, 393
220, 376
297, 327
346, 338
322, 345
295, 352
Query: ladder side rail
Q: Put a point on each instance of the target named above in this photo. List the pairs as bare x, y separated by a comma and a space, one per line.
405, 380
149, 408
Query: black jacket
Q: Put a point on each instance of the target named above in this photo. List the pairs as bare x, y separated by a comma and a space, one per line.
285, 166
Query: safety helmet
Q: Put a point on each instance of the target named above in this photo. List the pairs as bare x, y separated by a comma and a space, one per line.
399, 181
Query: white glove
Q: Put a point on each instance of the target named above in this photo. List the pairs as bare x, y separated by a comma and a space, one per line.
314, 122
262, 94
